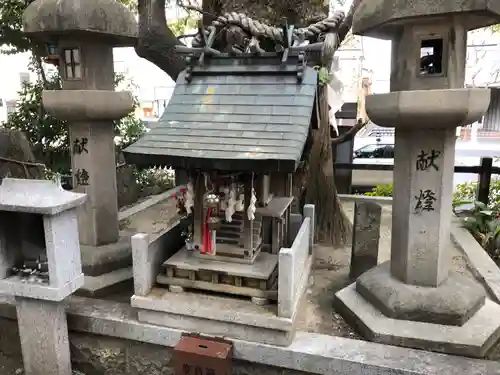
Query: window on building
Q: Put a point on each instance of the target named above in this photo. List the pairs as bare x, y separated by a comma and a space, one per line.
11, 106
72, 61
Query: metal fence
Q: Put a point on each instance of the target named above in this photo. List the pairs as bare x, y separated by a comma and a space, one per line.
484, 171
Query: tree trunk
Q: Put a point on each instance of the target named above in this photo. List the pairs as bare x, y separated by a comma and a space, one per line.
157, 42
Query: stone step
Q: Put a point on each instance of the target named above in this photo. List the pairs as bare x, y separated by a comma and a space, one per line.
231, 232
236, 240
228, 241
228, 234
231, 227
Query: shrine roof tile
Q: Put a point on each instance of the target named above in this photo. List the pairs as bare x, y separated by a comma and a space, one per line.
232, 121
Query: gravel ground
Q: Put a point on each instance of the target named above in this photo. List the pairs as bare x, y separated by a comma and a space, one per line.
331, 273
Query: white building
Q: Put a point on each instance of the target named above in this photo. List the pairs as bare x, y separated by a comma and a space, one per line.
13, 73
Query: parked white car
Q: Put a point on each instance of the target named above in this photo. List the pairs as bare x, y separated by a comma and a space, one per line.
380, 151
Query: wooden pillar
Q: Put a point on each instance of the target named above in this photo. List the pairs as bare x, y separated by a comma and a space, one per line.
289, 185
275, 235
248, 224
287, 227
278, 185
262, 188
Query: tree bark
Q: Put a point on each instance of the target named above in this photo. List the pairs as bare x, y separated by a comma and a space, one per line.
156, 41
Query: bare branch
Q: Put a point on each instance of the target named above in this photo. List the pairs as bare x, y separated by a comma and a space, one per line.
350, 133
347, 23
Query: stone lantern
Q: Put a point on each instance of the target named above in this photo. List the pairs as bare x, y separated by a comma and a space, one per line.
415, 300
79, 37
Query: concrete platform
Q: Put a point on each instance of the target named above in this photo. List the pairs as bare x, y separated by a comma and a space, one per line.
112, 327
261, 269
214, 315
257, 280
229, 249
107, 268
453, 302
111, 282
472, 339
100, 260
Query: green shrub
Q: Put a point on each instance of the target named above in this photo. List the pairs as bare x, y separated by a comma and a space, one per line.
156, 177
484, 225
466, 194
381, 191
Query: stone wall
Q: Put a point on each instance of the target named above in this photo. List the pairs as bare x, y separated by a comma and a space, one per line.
128, 190
102, 355
149, 253
294, 267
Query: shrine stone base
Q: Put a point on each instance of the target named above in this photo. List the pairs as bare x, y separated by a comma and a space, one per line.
453, 302
257, 280
107, 268
454, 318
215, 315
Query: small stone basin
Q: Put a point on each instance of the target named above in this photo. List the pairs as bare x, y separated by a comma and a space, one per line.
430, 109
85, 105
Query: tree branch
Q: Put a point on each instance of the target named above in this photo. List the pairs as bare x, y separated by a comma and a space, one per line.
350, 133
347, 23
156, 41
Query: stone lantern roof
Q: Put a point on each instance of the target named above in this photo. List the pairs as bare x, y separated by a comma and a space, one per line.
109, 20
383, 18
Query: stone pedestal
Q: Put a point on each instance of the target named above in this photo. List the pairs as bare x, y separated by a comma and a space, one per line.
44, 337
365, 238
414, 300
80, 39
106, 255
423, 169
94, 173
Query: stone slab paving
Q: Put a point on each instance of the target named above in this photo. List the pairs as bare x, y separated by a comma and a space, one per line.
153, 220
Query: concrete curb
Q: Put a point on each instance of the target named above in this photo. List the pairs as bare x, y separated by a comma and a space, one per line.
479, 262
150, 201
309, 352
365, 198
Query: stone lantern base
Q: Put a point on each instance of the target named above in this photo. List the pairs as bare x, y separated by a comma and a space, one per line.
453, 318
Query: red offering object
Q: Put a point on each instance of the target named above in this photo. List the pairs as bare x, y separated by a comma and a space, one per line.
195, 355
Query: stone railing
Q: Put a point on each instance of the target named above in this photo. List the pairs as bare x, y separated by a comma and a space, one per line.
295, 266
149, 253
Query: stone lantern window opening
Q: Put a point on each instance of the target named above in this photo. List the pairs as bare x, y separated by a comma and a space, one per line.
25, 247
52, 54
72, 64
431, 57
52, 50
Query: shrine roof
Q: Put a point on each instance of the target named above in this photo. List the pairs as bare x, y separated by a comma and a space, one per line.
235, 114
